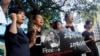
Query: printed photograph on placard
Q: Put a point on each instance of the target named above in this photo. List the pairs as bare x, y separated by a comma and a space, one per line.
51, 42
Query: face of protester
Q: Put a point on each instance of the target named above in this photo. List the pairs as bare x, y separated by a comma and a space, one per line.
69, 18
20, 17
59, 25
5, 2
39, 20
90, 25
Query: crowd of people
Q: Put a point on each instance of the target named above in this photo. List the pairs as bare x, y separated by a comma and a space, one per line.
18, 43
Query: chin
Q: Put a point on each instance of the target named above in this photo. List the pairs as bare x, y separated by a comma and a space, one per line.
21, 22
41, 25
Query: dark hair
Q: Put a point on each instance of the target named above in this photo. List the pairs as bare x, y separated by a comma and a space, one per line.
54, 25
66, 16
35, 14
87, 23
15, 10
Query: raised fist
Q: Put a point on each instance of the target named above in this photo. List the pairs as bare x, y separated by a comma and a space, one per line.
13, 16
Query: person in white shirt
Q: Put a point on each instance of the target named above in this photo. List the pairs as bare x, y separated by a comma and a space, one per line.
69, 25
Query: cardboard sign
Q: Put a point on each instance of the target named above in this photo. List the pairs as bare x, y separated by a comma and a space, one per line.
2, 17
57, 43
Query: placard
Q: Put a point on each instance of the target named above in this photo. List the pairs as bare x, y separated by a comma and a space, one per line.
57, 43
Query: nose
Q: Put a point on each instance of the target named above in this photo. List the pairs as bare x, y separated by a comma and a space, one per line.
23, 16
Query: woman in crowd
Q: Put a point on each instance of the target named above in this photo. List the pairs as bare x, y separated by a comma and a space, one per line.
57, 25
89, 39
16, 41
35, 35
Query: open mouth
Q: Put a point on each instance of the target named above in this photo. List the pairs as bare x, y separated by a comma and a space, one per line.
23, 19
41, 22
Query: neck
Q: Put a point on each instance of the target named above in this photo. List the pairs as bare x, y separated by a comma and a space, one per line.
4, 7
38, 28
18, 25
88, 30
69, 24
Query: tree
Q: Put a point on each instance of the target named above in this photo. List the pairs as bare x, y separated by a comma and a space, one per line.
48, 8
84, 8
51, 9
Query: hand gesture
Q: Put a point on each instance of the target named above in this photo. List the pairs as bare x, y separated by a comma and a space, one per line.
34, 27
89, 50
13, 16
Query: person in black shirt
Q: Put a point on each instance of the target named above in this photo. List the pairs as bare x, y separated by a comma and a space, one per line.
35, 35
89, 39
16, 41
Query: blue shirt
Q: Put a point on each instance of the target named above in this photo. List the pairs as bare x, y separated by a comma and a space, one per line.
16, 44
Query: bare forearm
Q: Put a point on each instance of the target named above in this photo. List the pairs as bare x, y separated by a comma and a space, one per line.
32, 40
13, 27
88, 41
31, 44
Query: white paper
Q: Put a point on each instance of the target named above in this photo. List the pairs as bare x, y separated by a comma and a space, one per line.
2, 17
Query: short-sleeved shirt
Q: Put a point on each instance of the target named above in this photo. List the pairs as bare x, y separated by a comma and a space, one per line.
87, 36
16, 44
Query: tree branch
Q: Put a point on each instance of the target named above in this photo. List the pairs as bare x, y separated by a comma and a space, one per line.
63, 3
50, 6
19, 3
33, 5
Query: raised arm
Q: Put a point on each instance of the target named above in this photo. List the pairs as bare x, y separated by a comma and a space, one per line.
33, 38
13, 27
